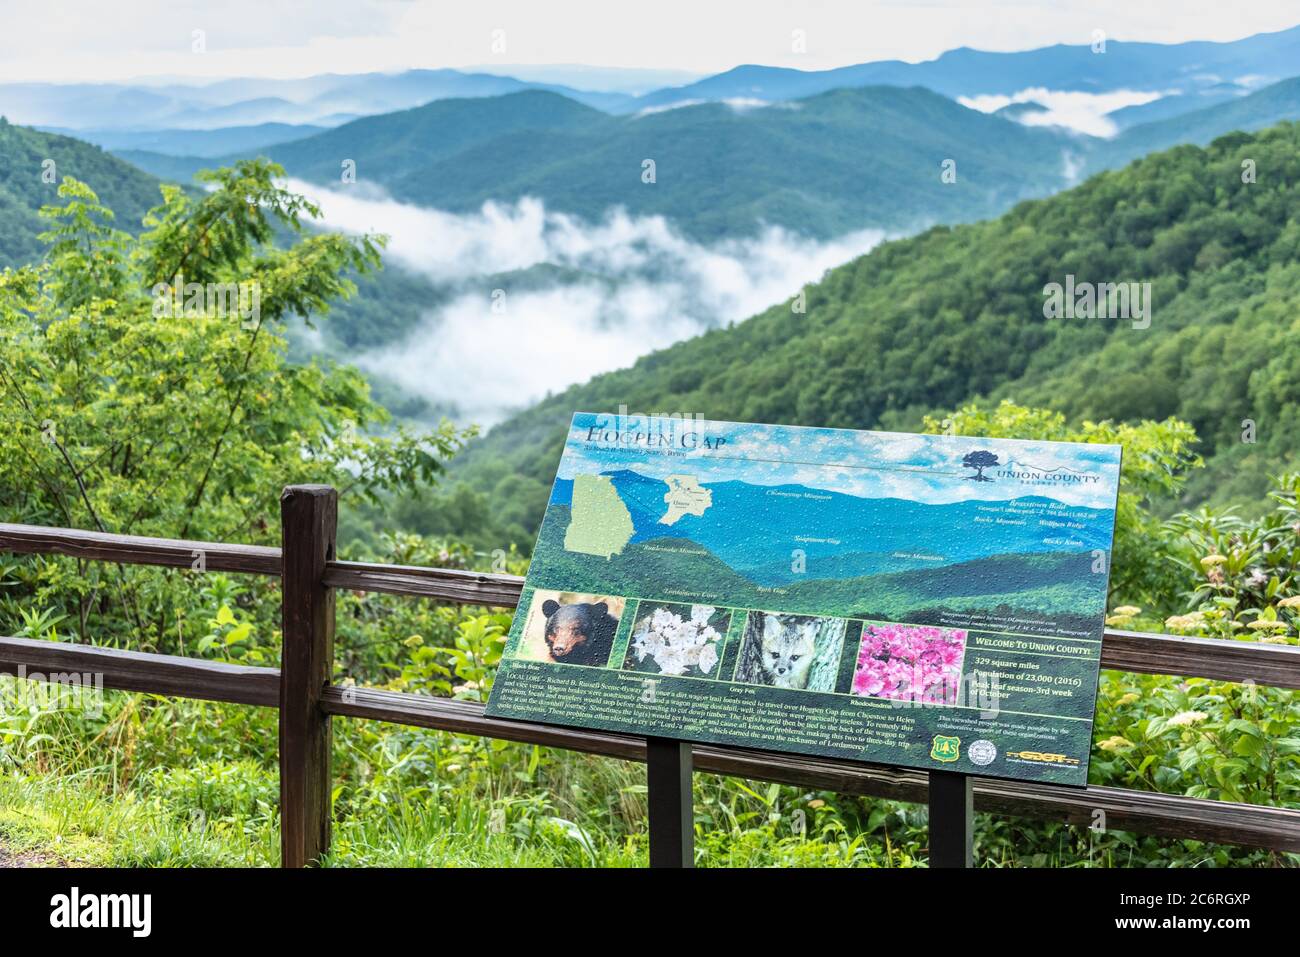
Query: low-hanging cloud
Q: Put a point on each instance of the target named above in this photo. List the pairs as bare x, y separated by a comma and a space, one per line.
626, 286
1079, 111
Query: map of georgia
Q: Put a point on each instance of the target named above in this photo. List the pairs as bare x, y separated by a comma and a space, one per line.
601, 523
684, 497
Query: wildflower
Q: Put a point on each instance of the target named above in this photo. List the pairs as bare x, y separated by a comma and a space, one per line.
1258, 577
1185, 718
1128, 698
1209, 561
1263, 624
1292, 602
1128, 610
816, 802
1115, 743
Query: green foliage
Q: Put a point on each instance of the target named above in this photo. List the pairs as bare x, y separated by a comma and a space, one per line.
1202, 738
1244, 574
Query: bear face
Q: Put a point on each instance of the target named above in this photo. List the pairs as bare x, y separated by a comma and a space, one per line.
579, 634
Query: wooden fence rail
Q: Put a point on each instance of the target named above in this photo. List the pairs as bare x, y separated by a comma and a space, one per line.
307, 701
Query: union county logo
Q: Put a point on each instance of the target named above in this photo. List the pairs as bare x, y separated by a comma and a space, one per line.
979, 460
982, 752
945, 748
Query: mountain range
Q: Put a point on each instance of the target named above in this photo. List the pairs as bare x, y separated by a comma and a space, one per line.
1181, 74
947, 316
1185, 68
821, 167
325, 99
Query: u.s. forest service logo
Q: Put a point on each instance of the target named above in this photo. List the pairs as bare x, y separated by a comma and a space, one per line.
945, 749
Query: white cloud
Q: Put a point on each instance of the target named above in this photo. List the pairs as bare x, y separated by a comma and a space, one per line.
740, 104
640, 286
1083, 112
664, 108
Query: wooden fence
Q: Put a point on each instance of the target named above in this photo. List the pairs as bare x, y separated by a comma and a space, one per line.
302, 691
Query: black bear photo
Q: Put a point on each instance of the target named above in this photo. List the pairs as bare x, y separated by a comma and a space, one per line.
579, 634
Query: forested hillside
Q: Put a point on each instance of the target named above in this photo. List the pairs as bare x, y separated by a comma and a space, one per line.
24, 190
956, 314
837, 162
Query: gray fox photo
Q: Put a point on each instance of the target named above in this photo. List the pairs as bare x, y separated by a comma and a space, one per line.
791, 651
577, 434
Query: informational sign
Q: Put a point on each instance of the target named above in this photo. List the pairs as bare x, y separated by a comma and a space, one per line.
929, 601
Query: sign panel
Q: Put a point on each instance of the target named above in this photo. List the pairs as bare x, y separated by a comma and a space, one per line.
927, 601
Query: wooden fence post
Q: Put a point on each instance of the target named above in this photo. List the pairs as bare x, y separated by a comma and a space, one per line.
308, 517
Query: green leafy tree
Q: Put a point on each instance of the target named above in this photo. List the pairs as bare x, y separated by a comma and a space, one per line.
127, 414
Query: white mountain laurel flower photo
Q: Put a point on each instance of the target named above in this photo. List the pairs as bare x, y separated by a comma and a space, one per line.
677, 644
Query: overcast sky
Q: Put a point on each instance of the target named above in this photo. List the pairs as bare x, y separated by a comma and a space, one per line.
96, 40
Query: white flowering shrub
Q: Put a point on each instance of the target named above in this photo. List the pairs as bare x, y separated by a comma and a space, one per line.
677, 639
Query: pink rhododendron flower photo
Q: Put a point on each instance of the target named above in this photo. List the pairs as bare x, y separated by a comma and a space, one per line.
919, 662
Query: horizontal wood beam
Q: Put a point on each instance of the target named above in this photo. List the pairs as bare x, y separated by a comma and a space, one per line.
170, 675
445, 584
139, 550
1276, 666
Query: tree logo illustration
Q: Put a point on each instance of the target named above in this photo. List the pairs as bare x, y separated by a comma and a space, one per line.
979, 461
